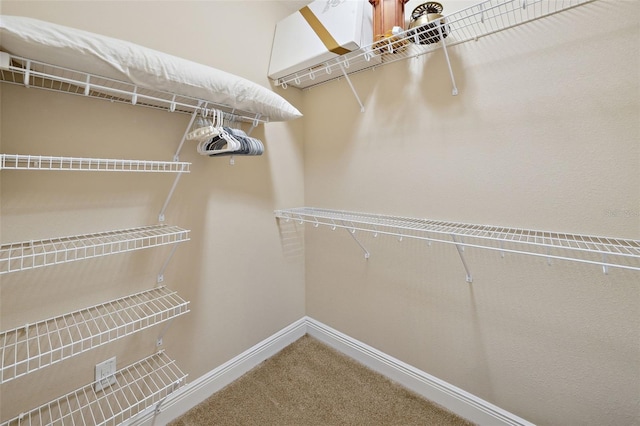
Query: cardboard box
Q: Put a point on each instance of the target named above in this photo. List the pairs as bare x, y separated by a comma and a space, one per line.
323, 30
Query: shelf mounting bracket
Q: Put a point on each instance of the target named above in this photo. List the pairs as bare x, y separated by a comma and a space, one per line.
166, 263
464, 262
346, 77
352, 232
454, 90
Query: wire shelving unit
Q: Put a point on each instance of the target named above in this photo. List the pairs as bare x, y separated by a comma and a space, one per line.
603, 251
482, 19
137, 387
41, 162
34, 346
32, 73
34, 254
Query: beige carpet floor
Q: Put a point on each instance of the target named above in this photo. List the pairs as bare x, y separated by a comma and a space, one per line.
309, 383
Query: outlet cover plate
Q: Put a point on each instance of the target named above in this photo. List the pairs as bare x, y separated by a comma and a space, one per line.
105, 374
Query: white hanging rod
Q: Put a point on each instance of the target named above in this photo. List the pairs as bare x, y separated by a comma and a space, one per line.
602, 251
31, 73
33, 346
139, 386
41, 162
482, 19
34, 254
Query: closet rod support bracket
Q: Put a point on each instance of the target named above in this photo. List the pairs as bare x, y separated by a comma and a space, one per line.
460, 248
352, 232
346, 77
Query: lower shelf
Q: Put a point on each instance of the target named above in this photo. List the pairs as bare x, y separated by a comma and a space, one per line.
137, 387
34, 346
35, 254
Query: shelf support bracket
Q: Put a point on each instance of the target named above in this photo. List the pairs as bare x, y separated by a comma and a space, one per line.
454, 90
352, 232
166, 202
346, 77
464, 262
166, 263
176, 156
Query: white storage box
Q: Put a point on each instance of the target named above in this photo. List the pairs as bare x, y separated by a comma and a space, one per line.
323, 30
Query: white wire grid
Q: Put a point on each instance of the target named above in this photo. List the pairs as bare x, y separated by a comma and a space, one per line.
33, 346
31, 73
604, 251
485, 18
40, 162
137, 387
34, 254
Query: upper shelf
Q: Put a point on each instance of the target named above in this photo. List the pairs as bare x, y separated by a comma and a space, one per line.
40, 162
31, 73
604, 251
485, 18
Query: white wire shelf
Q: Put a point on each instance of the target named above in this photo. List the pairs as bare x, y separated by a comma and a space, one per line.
34, 346
485, 18
31, 73
34, 254
603, 251
139, 386
41, 162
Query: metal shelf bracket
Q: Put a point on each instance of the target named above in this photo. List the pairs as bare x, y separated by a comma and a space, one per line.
460, 249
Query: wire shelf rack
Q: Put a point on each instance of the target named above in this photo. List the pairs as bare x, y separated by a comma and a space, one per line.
603, 251
34, 254
34, 346
137, 387
40, 162
480, 20
31, 73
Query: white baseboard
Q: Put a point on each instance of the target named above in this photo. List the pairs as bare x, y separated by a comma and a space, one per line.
452, 398
448, 396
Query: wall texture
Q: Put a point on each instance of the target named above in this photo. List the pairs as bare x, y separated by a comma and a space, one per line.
240, 286
543, 135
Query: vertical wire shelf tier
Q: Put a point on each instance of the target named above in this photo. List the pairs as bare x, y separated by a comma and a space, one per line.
40, 162
482, 19
34, 254
32, 73
34, 346
602, 251
138, 387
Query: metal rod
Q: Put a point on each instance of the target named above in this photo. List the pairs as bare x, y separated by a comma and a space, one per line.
166, 263
464, 262
166, 202
176, 156
454, 90
353, 235
346, 76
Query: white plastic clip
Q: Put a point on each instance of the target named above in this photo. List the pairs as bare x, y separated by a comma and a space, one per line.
87, 86
134, 97
312, 75
27, 73
327, 68
297, 79
172, 105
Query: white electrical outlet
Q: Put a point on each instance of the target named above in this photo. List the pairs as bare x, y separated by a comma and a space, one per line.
105, 374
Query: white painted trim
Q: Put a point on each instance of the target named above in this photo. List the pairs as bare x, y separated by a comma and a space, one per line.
452, 398
448, 396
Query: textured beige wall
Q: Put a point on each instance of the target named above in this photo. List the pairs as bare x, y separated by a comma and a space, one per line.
543, 135
240, 286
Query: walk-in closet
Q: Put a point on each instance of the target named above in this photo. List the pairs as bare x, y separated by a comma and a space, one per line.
447, 193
